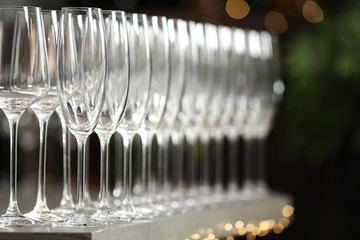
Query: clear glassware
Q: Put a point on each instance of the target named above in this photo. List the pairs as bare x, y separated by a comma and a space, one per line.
160, 72
237, 106
43, 110
260, 104
192, 69
262, 107
117, 87
82, 65
201, 91
215, 87
176, 28
24, 79
67, 206
137, 102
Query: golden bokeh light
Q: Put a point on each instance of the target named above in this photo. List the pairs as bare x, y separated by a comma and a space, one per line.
256, 231
230, 238
288, 211
264, 225
278, 229
211, 236
312, 12
237, 9
263, 233
209, 231
275, 22
250, 227
250, 236
239, 224
242, 231
284, 221
228, 227
195, 236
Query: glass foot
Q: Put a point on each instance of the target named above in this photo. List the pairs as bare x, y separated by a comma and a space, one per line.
63, 212
8, 220
80, 218
128, 211
43, 216
107, 217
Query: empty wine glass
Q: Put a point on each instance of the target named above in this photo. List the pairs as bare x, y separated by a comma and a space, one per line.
269, 91
82, 64
43, 110
159, 49
24, 79
117, 86
214, 87
201, 91
140, 82
237, 104
260, 107
176, 31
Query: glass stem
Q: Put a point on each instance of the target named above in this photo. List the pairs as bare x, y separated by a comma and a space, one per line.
248, 164
163, 166
81, 169
127, 175
104, 170
146, 168
41, 198
178, 162
233, 164
13, 208
118, 166
261, 164
66, 143
219, 164
205, 164
192, 163
87, 196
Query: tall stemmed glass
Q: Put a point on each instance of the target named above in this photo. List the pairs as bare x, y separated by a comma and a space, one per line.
270, 92
159, 48
260, 103
140, 79
238, 104
220, 112
82, 64
201, 92
24, 79
43, 110
177, 30
117, 86
214, 87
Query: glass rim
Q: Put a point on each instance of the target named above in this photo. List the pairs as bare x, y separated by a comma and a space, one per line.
80, 8
107, 11
16, 7
132, 14
50, 10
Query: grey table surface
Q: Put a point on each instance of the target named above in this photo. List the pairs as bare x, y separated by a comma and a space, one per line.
192, 225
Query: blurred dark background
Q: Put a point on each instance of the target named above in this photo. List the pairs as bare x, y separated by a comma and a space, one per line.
314, 147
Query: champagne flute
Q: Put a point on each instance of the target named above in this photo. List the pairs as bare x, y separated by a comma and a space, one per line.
117, 86
137, 102
24, 79
43, 110
177, 44
260, 107
239, 60
159, 48
81, 63
270, 92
